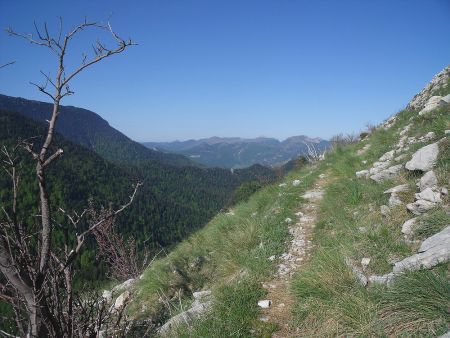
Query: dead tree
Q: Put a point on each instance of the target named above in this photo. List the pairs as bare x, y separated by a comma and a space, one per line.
37, 276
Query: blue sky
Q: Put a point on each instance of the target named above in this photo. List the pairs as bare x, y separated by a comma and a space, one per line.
240, 67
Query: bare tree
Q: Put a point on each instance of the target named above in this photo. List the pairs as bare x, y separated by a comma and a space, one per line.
37, 276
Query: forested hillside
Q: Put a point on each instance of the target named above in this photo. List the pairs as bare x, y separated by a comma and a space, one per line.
172, 202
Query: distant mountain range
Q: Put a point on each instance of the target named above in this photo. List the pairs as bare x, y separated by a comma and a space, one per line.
235, 152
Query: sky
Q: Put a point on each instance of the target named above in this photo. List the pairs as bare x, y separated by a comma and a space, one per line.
244, 68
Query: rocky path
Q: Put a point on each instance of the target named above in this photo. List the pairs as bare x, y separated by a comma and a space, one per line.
279, 294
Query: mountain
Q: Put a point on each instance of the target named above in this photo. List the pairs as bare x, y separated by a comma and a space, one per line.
234, 152
86, 128
361, 238
174, 201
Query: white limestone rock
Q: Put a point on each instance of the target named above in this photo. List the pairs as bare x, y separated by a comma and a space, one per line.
407, 227
362, 174
429, 195
429, 180
313, 195
122, 300
385, 211
387, 156
433, 103
394, 201
264, 304
424, 159
296, 183
397, 189
420, 206
388, 173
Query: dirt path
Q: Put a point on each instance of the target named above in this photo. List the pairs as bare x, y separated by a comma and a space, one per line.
280, 311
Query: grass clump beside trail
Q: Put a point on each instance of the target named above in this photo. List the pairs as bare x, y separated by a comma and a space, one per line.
329, 299
228, 256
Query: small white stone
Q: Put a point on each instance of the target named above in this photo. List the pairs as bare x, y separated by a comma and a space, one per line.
264, 304
365, 262
296, 183
288, 220
282, 185
271, 258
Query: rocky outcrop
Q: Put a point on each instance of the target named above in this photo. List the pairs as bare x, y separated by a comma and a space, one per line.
439, 81
433, 103
388, 173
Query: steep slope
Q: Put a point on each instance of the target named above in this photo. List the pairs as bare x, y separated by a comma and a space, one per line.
173, 201
86, 128
368, 272
238, 152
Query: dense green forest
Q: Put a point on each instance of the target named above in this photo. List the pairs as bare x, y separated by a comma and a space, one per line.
173, 201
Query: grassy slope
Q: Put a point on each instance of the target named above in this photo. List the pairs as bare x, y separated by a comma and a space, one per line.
329, 300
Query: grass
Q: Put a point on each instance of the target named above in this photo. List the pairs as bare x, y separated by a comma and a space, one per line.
234, 248
329, 301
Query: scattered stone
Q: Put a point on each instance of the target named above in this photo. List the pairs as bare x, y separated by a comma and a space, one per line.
388, 173
397, 189
299, 214
447, 132
107, 295
387, 156
385, 211
357, 271
230, 213
364, 162
424, 159
264, 319
288, 220
444, 191
427, 137
123, 286
429, 195
296, 183
281, 305
322, 176
362, 174
420, 206
313, 195
272, 258
407, 227
400, 158
282, 185
378, 167
394, 200
264, 304
362, 229
428, 180
365, 262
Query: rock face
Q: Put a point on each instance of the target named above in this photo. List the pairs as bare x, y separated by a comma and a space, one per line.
439, 81
433, 103
424, 159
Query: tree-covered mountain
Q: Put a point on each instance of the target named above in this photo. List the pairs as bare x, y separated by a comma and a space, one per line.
88, 129
235, 152
173, 201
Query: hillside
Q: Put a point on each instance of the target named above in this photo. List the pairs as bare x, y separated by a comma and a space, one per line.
238, 152
86, 128
354, 245
173, 201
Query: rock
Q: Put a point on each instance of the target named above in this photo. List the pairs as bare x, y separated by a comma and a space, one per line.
362, 173
322, 176
394, 200
397, 189
433, 103
407, 227
288, 220
122, 300
429, 195
385, 211
201, 295
364, 162
400, 158
185, 317
272, 258
420, 206
379, 166
124, 286
388, 173
438, 239
447, 132
427, 137
357, 272
313, 195
424, 159
387, 156
264, 304
282, 185
365, 262
428, 180
433, 251
107, 295
296, 183
384, 279
446, 98
444, 191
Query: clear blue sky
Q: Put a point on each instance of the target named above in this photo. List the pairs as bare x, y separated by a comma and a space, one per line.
239, 67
